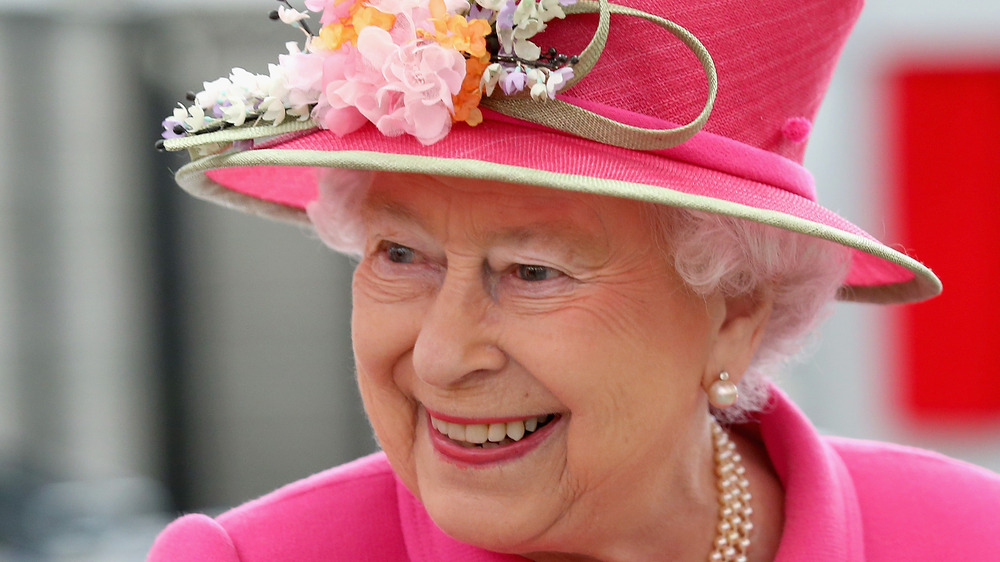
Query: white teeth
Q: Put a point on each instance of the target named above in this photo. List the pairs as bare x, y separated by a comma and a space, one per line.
476, 433
497, 432
515, 430
488, 435
456, 431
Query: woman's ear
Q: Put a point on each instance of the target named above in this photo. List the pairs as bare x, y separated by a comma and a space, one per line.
741, 327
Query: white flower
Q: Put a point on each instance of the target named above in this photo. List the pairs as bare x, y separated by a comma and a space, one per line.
180, 113
494, 5
491, 76
292, 16
303, 112
538, 92
526, 25
197, 119
273, 110
526, 9
252, 85
550, 9
213, 92
277, 86
536, 81
235, 112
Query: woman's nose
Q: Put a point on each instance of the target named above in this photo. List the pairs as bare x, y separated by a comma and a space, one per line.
457, 341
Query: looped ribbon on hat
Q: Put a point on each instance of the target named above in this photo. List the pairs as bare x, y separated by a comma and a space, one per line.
568, 118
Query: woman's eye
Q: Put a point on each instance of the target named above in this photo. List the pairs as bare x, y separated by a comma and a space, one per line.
536, 273
398, 253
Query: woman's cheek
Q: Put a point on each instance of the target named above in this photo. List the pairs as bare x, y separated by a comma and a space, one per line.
386, 312
384, 330
389, 407
380, 346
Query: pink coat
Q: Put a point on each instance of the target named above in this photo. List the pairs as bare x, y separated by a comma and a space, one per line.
845, 500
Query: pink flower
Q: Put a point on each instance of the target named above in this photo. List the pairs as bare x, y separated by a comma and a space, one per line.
418, 82
303, 77
346, 79
341, 120
412, 15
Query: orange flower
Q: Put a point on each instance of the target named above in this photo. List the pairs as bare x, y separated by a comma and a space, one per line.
468, 98
334, 35
456, 32
364, 16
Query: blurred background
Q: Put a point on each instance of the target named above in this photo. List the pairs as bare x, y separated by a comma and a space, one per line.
160, 355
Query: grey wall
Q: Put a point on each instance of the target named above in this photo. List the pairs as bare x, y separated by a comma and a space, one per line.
152, 347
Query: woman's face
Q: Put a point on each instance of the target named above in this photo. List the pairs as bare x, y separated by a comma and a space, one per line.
482, 308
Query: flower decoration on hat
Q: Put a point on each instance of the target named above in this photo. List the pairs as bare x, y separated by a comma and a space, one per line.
410, 67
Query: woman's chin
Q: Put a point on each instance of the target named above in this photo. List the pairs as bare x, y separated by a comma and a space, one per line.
495, 528
503, 507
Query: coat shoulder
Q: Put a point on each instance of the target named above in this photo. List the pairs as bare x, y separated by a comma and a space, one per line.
913, 498
194, 538
350, 512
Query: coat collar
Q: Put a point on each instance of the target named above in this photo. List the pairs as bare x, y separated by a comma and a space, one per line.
822, 514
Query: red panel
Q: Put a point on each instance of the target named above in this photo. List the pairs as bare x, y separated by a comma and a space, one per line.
946, 163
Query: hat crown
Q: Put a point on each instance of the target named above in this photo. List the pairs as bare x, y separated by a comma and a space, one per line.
774, 61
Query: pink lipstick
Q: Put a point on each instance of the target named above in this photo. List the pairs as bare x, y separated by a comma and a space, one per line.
522, 437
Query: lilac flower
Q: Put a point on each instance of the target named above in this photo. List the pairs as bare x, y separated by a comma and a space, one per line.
478, 13
514, 81
170, 123
506, 16
557, 80
168, 128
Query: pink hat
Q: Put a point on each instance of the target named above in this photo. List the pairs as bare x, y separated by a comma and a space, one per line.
488, 89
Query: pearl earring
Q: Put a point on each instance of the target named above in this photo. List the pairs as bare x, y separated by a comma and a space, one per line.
722, 394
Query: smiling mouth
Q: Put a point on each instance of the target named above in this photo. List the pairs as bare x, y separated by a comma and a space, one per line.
491, 435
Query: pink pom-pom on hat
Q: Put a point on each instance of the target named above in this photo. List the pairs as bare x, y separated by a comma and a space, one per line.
797, 129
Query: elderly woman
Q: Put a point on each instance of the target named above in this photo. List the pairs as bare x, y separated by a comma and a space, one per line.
565, 304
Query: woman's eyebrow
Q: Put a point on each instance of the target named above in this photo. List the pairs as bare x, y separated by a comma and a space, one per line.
569, 235
581, 245
379, 207
563, 232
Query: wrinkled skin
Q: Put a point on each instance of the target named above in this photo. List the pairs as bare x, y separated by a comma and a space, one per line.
480, 299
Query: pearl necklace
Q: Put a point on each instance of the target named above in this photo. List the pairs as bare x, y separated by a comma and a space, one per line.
733, 532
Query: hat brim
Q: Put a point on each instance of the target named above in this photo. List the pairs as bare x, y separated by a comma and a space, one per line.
278, 178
